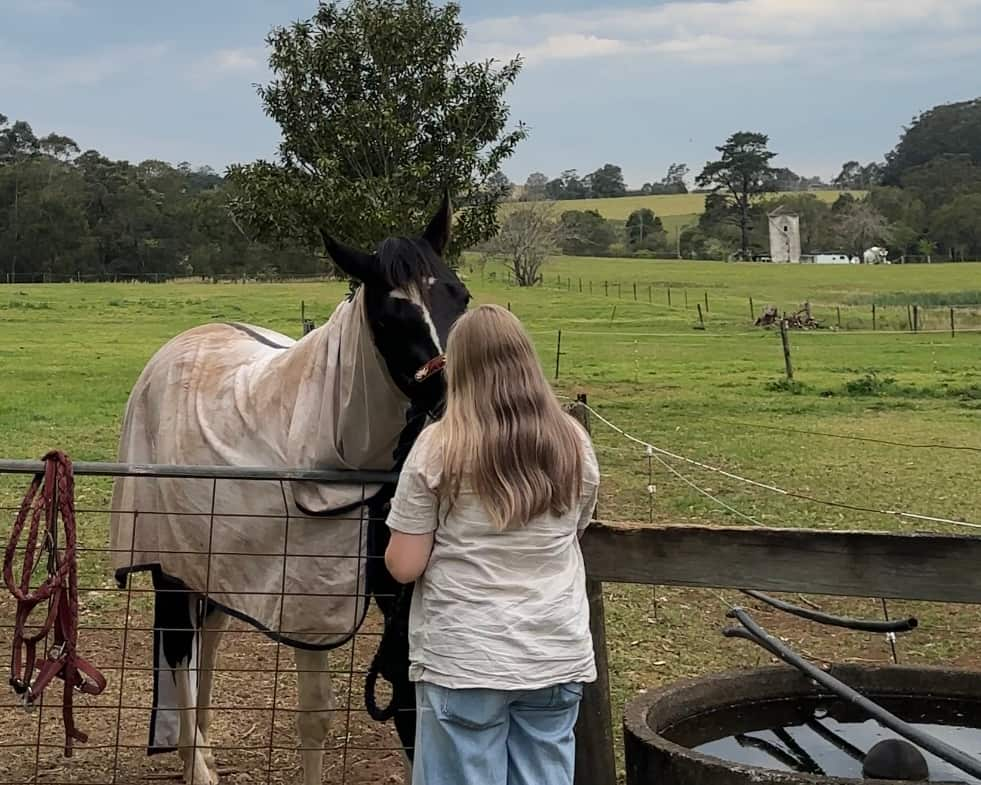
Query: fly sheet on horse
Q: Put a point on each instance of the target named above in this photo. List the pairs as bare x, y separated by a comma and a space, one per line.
287, 557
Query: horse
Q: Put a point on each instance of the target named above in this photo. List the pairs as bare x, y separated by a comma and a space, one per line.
286, 557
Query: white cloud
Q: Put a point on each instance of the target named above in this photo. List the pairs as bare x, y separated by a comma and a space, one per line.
228, 63
83, 70
238, 60
39, 7
715, 31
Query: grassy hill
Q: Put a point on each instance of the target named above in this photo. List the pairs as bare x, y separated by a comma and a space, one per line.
676, 210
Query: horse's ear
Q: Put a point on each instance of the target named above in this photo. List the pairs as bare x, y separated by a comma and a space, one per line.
437, 234
355, 263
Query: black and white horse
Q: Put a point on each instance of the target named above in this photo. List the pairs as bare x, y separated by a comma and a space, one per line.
287, 557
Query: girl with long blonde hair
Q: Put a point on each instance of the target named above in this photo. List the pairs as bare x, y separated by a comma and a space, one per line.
486, 519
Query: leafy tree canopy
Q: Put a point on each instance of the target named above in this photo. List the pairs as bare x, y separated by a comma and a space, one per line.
378, 118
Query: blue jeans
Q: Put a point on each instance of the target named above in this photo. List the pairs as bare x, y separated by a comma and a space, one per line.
493, 737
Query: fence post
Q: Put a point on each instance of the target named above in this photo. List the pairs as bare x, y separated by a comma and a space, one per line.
752, 311
785, 340
909, 316
916, 318
595, 762
606, 288
590, 286
873, 317
706, 302
635, 290
580, 286
669, 297
838, 309
951, 322
701, 319
509, 306
558, 354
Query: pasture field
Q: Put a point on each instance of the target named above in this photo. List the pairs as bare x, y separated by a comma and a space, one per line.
69, 355
689, 205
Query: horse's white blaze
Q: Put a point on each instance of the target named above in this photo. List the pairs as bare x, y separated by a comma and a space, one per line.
414, 297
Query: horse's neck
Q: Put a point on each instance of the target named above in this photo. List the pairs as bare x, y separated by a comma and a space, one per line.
345, 410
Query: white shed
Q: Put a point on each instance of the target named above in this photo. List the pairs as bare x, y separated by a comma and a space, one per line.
833, 258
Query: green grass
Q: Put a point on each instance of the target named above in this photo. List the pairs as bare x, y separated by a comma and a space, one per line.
69, 355
689, 206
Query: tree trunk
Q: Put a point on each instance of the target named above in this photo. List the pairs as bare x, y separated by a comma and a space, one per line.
744, 227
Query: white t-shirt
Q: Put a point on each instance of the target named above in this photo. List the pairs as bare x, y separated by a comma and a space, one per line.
495, 610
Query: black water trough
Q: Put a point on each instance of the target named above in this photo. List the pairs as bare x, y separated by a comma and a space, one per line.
776, 726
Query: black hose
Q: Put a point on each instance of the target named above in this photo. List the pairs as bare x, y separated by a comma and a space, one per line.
861, 625
751, 631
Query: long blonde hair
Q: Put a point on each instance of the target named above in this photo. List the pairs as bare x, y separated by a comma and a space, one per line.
504, 433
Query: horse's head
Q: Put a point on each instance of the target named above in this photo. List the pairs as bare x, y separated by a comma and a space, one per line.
412, 299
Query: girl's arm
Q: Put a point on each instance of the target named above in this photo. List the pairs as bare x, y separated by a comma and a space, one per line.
407, 555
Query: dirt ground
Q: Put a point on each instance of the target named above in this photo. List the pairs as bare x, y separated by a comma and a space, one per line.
248, 704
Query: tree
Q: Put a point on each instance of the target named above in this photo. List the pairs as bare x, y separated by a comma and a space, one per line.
535, 187
645, 231
855, 177
378, 118
958, 227
906, 214
743, 172
675, 180
862, 226
585, 233
528, 234
606, 182
784, 179
500, 183
943, 179
947, 130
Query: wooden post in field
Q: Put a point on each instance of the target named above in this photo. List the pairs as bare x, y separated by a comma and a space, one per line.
635, 290
580, 286
873, 317
785, 340
916, 318
595, 762
650, 293
590, 287
706, 302
606, 288
509, 306
701, 319
951, 322
909, 316
669, 297
558, 354
752, 311
838, 309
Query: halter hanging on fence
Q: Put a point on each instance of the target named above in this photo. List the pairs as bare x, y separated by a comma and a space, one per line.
60, 589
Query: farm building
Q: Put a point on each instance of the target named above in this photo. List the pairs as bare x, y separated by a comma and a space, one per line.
784, 235
829, 258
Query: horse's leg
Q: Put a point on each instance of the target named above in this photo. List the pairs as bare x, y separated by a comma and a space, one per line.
315, 711
175, 619
191, 744
215, 623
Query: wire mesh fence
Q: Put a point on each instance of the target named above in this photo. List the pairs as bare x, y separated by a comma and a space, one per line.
250, 724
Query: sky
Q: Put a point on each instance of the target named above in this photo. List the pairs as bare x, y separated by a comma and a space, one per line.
637, 84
